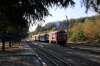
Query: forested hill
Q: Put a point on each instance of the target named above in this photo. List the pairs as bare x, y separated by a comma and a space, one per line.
84, 29
56, 24
51, 26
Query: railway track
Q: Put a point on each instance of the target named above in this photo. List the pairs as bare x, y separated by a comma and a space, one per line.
89, 48
77, 58
81, 48
73, 57
82, 44
85, 48
52, 60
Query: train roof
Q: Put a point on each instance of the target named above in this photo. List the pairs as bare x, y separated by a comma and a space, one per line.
52, 32
58, 31
42, 34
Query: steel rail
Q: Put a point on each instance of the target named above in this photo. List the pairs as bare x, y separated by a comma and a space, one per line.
42, 62
85, 50
50, 54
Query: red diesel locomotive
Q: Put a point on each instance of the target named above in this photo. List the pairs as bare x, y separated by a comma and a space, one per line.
58, 37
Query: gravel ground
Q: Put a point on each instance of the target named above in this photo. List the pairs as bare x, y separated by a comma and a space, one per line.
74, 57
18, 55
19, 61
96, 49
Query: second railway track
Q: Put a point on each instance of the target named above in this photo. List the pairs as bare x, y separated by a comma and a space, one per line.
53, 60
85, 49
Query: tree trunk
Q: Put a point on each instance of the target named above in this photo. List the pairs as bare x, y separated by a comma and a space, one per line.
3, 44
12, 42
9, 43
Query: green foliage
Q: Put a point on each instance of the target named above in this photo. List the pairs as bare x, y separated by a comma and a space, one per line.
84, 29
30, 35
38, 29
19, 12
53, 29
87, 31
9, 31
77, 33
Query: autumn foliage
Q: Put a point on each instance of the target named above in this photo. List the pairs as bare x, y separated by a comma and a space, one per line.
87, 31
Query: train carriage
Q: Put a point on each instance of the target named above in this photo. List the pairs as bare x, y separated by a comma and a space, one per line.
33, 37
56, 37
37, 38
52, 37
47, 37
44, 37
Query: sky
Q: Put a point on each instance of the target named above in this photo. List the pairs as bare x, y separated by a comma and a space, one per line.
59, 14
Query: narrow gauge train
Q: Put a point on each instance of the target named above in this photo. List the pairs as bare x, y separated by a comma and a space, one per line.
56, 37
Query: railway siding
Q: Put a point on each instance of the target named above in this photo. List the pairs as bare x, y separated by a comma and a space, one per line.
80, 58
52, 58
91, 49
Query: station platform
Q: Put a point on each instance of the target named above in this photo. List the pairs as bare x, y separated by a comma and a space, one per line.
18, 55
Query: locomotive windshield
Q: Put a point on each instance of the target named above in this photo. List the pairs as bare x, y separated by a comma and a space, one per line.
61, 33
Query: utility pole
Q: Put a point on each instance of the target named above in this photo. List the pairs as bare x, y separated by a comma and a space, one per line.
67, 27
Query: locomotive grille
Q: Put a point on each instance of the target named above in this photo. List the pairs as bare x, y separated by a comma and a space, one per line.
61, 37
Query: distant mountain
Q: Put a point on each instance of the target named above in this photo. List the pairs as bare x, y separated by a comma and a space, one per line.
56, 24
48, 25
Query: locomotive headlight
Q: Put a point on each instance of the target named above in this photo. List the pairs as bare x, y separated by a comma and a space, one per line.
65, 37
58, 37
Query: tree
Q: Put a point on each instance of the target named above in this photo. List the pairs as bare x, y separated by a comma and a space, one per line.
89, 31
53, 29
92, 4
18, 11
30, 35
38, 28
77, 34
10, 31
